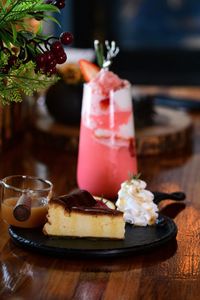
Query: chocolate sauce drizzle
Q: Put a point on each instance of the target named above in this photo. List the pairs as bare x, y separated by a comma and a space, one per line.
82, 200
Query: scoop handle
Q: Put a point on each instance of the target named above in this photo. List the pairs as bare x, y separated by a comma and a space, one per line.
177, 196
22, 209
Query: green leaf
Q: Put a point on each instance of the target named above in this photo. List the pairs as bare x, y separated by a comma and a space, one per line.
99, 53
134, 176
23, 9
14, 32
6, 38
52, 19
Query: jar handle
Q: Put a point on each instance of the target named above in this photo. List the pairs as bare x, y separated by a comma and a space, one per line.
2, 184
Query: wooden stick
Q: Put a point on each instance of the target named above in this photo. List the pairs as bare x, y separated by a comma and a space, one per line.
22, 209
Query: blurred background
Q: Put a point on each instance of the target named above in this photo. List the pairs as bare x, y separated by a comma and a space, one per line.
159, 44
159, 39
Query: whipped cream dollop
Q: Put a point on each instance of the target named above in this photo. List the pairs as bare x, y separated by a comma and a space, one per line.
137, 203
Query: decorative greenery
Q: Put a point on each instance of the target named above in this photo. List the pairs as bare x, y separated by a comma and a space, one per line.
134, 176
22, 81
104, 61
19, 47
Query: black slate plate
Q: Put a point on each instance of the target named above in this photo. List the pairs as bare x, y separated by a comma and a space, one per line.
137, 239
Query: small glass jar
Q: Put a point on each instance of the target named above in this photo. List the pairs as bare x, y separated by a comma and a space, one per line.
37, 189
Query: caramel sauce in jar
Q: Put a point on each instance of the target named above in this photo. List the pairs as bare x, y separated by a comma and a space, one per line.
36, 219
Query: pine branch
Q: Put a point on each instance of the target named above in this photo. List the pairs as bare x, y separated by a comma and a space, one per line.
20, 48
22, 9
23, 81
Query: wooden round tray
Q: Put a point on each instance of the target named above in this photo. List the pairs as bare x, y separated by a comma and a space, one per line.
171, 132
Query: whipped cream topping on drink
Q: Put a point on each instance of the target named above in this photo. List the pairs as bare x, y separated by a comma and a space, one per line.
107, 108
105, 81
137, 203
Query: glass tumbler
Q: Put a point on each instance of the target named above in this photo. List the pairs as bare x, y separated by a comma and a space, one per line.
107, 155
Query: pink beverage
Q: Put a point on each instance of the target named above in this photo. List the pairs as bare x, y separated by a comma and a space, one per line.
107, 141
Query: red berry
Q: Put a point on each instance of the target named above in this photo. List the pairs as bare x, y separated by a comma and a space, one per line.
51, 71
5, 69
41, 60
56, 46
52, 63
12, 60
61, 59
49, 56
59, 54
60, 4
66, 38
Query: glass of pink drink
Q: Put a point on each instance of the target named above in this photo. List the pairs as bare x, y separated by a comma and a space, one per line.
107, 154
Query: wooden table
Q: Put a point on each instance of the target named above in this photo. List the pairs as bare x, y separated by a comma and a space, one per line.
169, 272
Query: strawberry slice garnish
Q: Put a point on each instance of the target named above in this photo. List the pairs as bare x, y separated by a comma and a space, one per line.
104, 104
88, 69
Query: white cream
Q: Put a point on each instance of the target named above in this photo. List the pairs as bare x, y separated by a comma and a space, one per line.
137, 203
121, 97
127, 130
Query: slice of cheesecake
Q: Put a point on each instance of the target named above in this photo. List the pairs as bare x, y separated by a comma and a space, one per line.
79, 214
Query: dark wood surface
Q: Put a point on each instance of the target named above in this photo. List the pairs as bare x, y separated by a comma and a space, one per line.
167, 126
168, 272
